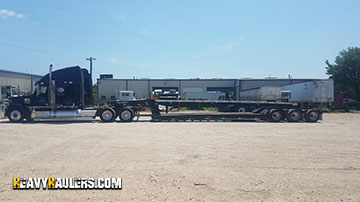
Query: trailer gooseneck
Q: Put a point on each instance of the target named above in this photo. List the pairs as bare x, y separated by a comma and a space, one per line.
66, 94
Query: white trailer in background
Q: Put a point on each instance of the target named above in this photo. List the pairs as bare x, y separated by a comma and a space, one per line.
126, 95
321, 91
264, 93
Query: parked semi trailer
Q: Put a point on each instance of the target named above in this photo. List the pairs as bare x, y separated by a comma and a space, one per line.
66, 93
311, 92
263, 93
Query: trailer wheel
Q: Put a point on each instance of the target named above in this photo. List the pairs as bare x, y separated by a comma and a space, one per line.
107, 115
294, 115
126, 115
242, 109
275, 115
312, 115
16, 115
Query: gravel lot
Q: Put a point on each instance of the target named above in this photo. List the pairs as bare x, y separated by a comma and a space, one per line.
207, 161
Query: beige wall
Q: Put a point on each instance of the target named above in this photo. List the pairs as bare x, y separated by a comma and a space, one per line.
142, 87
23, 81
110, 87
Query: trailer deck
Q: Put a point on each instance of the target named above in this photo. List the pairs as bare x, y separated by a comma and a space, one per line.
229, 116
228, 110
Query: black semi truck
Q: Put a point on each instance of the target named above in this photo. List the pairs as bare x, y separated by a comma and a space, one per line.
67, 94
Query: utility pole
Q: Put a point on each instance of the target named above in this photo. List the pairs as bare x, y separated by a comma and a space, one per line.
91, 88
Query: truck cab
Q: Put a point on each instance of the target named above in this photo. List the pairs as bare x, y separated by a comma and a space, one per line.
62, 93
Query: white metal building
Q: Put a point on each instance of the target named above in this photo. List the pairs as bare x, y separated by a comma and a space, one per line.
25, 82
109, 88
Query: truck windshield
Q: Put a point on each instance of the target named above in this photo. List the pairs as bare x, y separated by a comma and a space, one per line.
40, 89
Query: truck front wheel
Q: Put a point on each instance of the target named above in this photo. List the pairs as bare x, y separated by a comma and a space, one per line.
107, 115
16, 115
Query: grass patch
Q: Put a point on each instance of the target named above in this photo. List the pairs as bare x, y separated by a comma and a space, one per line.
327, 110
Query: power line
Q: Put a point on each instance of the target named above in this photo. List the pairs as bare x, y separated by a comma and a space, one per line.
37, 50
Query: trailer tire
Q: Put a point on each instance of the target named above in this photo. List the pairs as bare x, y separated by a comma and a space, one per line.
242, 109
107, 115
294, 115
312, 115
126, 115
16, 114
275, 115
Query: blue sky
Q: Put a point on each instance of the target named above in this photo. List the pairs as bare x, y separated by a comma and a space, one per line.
178, 39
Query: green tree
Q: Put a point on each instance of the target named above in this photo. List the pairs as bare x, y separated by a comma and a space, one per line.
346, 71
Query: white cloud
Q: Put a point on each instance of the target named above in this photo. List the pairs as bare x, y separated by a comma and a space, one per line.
228, 46
121, 18
113, 60
232, 43
6, 13
225, 45
145, 32
195, 56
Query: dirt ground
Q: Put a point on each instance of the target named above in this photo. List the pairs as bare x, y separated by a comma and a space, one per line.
206, 161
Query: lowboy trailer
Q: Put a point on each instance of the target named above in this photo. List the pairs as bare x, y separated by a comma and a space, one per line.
66, 94
268, 111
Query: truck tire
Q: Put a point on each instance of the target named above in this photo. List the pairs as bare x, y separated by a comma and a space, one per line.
275, 115
242, 109
16, 115
294, 115
107, 115
126, 115
312, 115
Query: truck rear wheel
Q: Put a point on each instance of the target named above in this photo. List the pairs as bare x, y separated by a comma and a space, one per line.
294, 115
126, 115
107, 115
16, 115
275, 115
312, 115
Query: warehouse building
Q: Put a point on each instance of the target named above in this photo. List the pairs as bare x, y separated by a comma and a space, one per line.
24, 82
108, 88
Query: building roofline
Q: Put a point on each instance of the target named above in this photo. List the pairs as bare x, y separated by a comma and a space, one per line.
13, 72
280, 79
